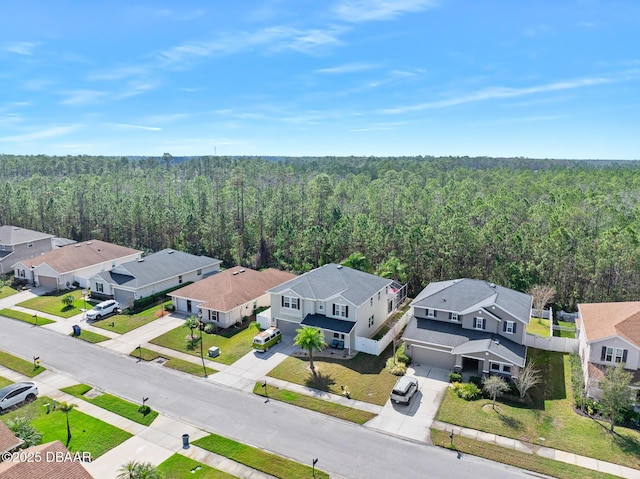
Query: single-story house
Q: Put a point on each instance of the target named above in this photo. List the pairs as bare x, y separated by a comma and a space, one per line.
56, 462
78, 262
17, 244
151, 274
226, 297
609, 333
341, 301
469, 325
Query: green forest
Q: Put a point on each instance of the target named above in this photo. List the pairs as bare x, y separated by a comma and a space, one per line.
516, 222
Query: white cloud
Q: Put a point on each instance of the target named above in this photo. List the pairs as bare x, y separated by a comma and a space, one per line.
51, 132
135, 88
169, 118
347, 68
20, 48
82, 97
356, 11
128, 126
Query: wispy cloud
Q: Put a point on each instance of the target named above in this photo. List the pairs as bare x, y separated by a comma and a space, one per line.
537, 30
128, 126
134, 89
19, 48
51, 132
168, 118
355, 11
82, 97
501, 92
347, 68
526, 119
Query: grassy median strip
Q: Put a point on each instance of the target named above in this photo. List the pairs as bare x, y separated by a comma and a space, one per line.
173, 363
257, 459
26, 317
91, 337
20, 365
114, 404
325, 407
179, 466
523, 460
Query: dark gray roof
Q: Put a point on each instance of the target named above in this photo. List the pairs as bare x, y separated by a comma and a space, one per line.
463, 341
60, 242
461, 295
332, 324
13, 235
155, 268
332, 280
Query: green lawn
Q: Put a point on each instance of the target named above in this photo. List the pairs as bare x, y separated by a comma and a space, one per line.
523, 460
325, 407
539, 327
19, 365
550, 421
52, 303
123, 323
172, 363
257, 459
112, 403
6, 291
364, 376
179, 467
233, 343
91, 337
26, 317
88, 433
4, 382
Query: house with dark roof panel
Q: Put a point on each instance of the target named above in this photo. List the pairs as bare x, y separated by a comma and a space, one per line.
224, 298
609, 333
77, 262
151, 274
17, 244
469, 325
345, 303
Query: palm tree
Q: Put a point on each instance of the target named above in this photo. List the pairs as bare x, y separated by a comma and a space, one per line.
357, 261
138, 470
311, 339
192, 322
66, 408
22, 429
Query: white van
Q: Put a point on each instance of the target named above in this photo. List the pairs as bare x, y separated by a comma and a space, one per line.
267, 338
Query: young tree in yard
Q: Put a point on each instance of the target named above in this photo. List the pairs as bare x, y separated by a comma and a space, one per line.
495, 387
616, 395
138, 470
67, 300
311, 339
22, 429
577, 381
542, 294
67, 408
528, 377
192, 323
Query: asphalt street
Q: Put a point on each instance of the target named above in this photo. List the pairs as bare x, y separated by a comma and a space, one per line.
343, 449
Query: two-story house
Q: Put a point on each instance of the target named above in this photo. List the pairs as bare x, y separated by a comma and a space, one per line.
609, 333
469, 325
341, 301
17, 244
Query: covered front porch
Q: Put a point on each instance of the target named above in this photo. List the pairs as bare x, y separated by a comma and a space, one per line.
338, 333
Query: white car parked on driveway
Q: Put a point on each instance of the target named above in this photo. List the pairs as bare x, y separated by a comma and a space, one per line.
17, 393
104, 309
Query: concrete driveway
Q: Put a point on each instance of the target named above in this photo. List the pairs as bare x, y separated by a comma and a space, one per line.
413, 421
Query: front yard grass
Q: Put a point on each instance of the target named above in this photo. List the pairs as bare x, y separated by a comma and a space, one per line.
52, 303
325, 407
530, 462
91, 337
172, 363
179, 466
233, 343
6, 291
112, 403
19, 365
550, 421
123, 323
4, 382
257, 459
26, 317
364, 376
89, 434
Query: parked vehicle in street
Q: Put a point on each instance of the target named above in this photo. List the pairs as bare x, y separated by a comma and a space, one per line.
17, 393
104, 309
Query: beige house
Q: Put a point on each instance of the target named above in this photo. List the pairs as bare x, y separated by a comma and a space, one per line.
58, 269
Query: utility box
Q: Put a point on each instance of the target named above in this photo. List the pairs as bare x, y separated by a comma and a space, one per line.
214, 352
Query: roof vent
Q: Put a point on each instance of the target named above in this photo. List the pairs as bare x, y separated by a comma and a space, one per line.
77, 245
140, 260
235, 273
496, 341
444, 300
241, 271
493, 285
170, 251
339, 266
89, 242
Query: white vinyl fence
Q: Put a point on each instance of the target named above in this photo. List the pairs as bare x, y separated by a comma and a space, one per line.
562, 345
373, 346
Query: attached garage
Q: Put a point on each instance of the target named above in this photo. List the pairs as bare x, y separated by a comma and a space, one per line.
288, 328
124, 298
48, 282
431, 357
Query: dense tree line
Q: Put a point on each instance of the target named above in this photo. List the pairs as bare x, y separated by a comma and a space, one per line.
516, 222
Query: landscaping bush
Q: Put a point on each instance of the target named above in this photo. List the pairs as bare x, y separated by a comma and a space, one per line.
169, 307
402, 356
455, 377
397, 368
209, 328
142, 303
467, 391
260, 309
477, 380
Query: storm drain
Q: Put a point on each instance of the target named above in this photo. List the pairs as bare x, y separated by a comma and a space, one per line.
161, 361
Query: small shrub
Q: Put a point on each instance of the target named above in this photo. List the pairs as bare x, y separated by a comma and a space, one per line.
477, 380
455, 377
67, 300
169, 307
401, 356
144, 410
209, 328
396, 368
467, 391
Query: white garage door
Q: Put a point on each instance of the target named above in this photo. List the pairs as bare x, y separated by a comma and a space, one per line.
430, 357
48, 282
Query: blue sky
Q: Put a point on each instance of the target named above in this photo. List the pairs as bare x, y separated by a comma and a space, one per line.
543, 79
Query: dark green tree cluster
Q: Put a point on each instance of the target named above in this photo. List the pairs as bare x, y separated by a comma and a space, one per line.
516, 222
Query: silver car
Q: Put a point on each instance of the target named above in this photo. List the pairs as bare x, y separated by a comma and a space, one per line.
16, 394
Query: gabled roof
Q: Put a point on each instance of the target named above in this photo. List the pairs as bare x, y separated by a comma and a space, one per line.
12, 235
80, 255
233, 287
156, 267
8, 440
465, 295
604, 320
332, 280
44, 469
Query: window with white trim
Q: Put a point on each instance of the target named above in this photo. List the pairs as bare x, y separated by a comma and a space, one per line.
479, 323
199, 272
100, 287
30, 244
509, 327
431, 313
371, 321
500, 368
453, 317
341, 310
290, 302
371, 301
378, 295
213, 315
614, 355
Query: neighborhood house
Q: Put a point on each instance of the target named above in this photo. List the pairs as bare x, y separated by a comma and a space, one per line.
17, 244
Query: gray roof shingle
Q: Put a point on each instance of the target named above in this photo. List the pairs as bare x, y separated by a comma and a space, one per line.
13, 235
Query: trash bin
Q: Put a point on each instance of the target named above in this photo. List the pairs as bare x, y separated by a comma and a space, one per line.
185, 441
76, 330
214, 352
